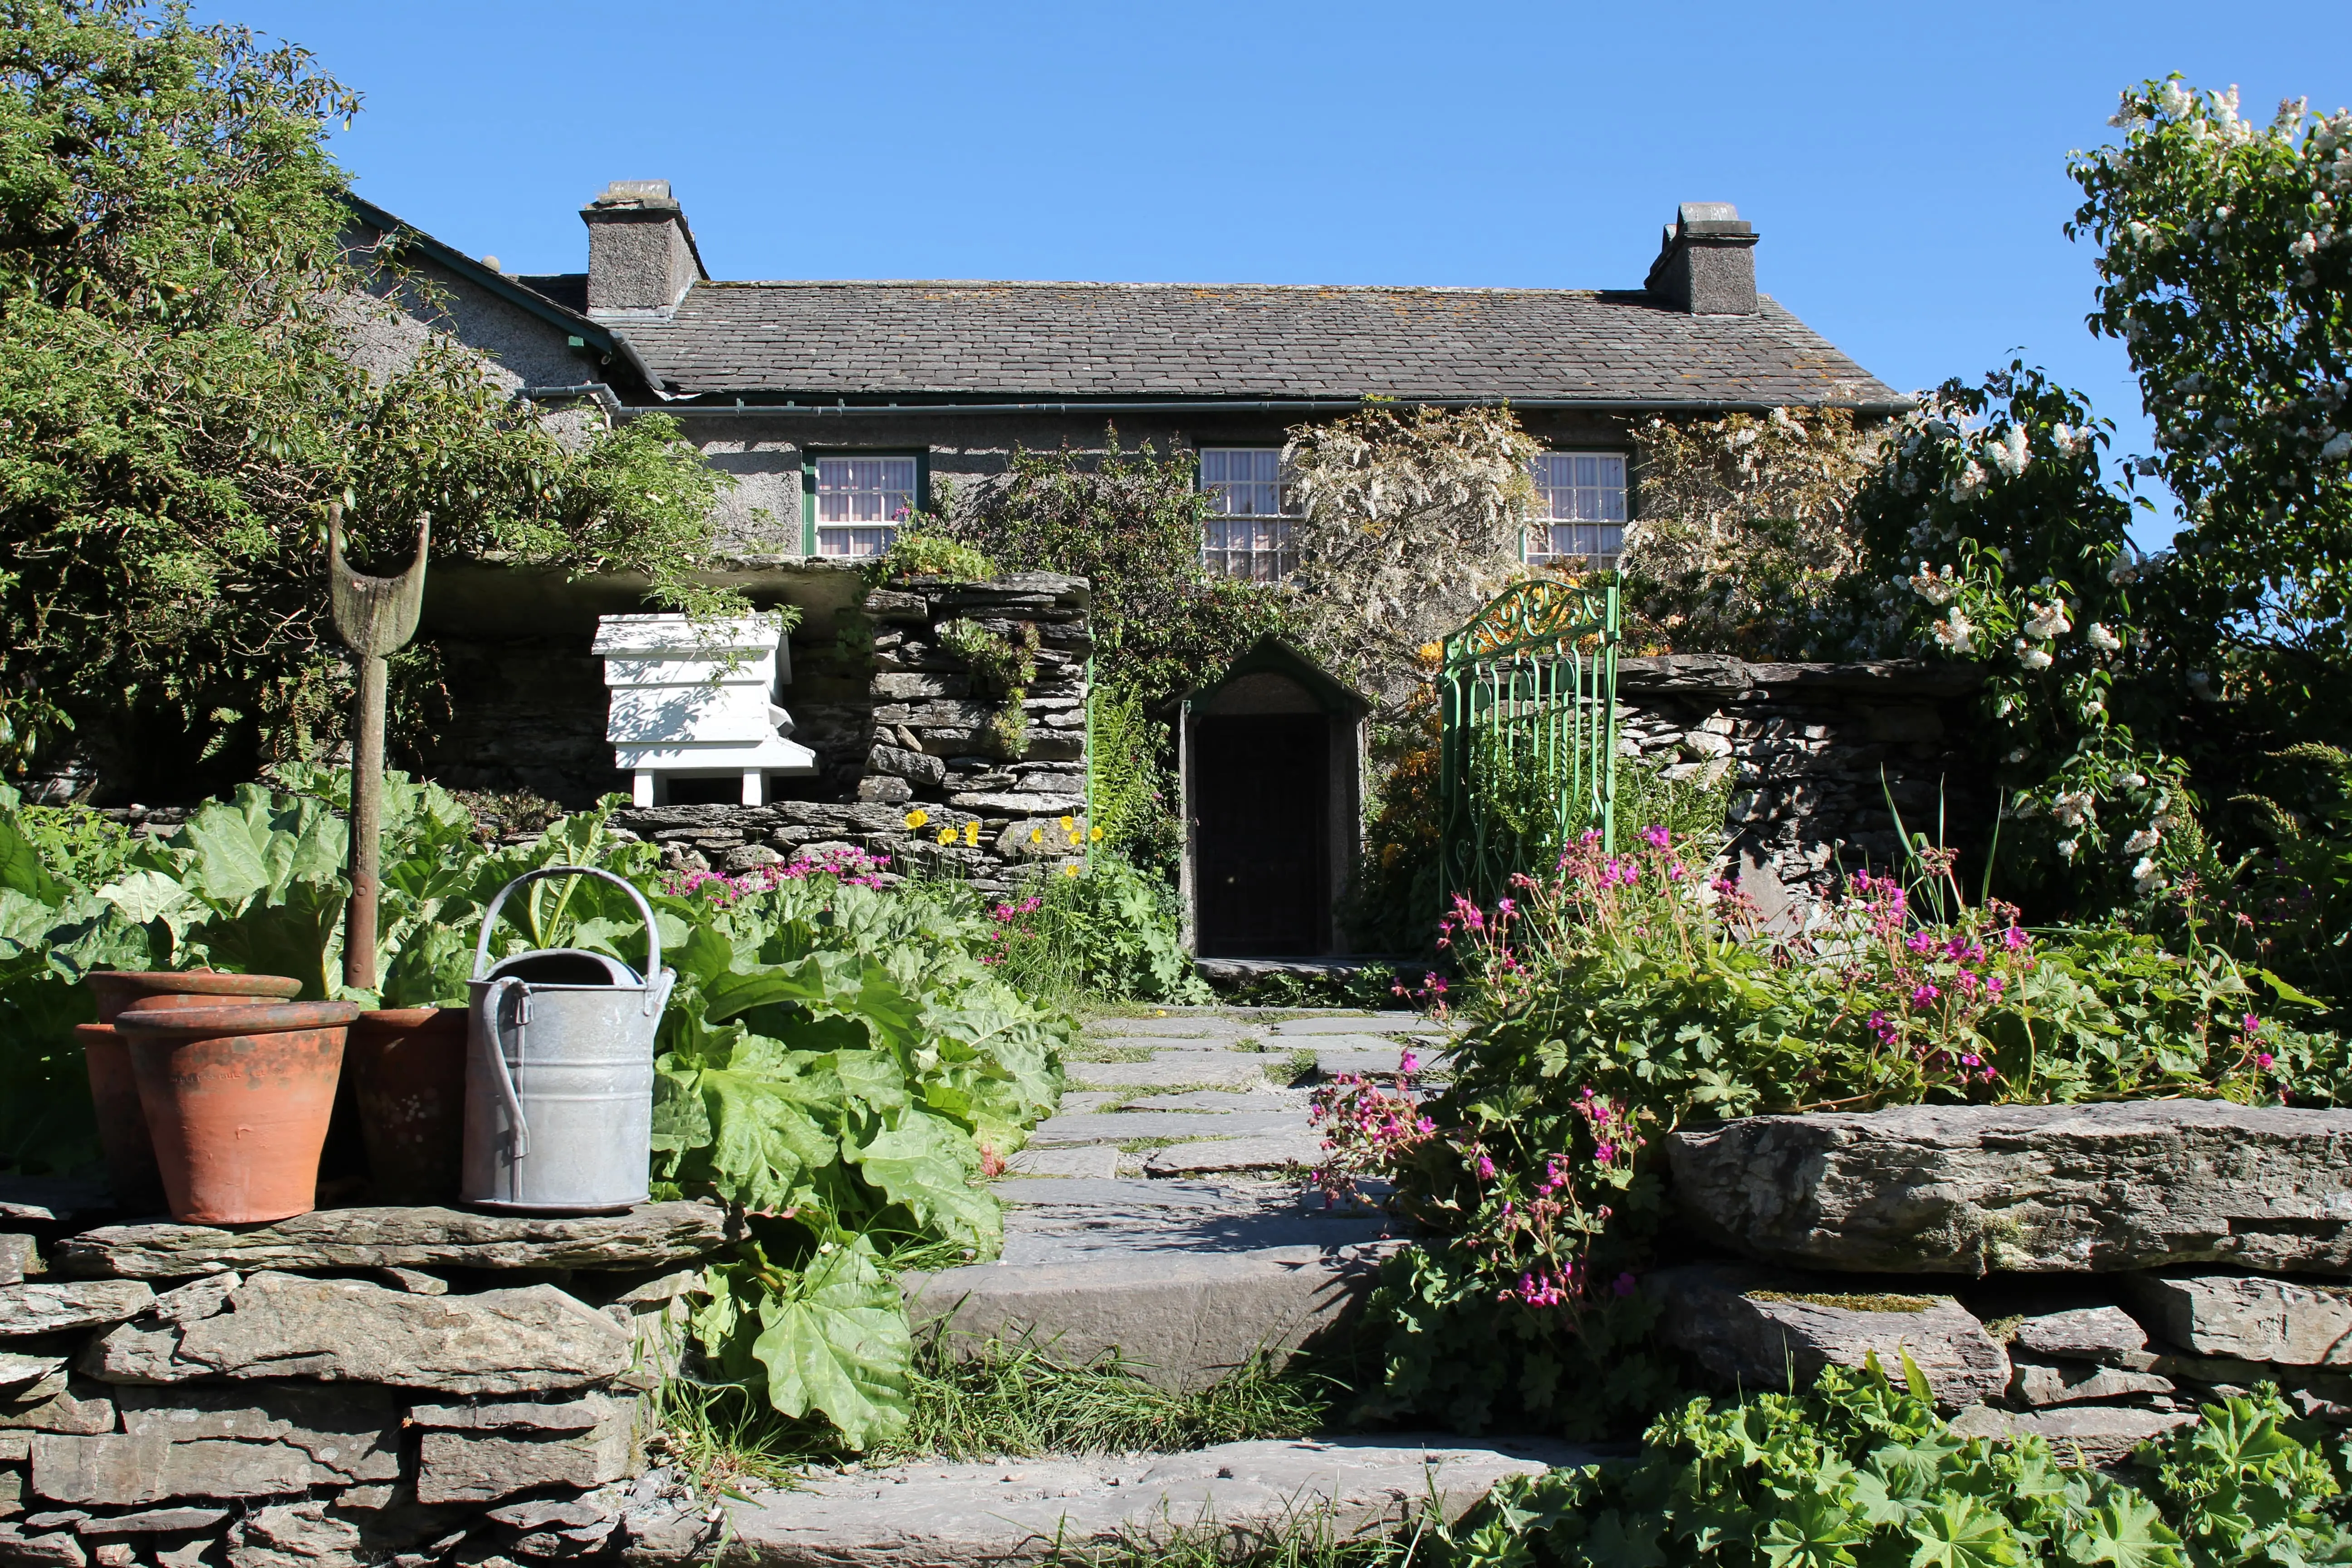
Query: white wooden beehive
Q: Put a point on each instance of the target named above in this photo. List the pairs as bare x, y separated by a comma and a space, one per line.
693, 700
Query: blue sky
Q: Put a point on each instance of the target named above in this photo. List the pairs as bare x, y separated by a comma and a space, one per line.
1905, 164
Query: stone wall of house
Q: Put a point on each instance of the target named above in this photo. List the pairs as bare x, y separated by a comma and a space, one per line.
2090, 1274
1812, 754
938, 788
353, 1385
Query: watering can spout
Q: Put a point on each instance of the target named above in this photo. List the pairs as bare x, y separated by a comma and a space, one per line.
560, 1071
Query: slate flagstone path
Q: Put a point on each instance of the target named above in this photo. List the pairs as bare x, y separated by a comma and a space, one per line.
1164, 1210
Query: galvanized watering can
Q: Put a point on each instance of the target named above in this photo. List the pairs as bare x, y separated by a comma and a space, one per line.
559, 1071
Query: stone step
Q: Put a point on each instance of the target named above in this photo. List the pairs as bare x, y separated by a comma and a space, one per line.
1362, 1022
1121, 1126
1258, 1099
1275, 1151
1183, 1320
1238, 1070
1241, 1496
1070, 1220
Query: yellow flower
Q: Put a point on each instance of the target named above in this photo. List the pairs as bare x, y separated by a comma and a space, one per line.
1431, 652
1095, 834
917, 817
1076, 837
946, 834
1068, 823
1071, 869
1036, 836
972, 832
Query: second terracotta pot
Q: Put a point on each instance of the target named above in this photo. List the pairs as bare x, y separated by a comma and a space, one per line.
121, 1122
237, 1099
117, 989
407, 1068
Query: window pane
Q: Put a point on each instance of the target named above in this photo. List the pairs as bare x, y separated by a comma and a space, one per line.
1245, 484
860, 501
1580, 510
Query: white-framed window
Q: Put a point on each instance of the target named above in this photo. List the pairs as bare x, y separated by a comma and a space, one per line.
1249, 528
1579, 512
861, 501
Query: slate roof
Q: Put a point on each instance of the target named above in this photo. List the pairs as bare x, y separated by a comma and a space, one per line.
960, 340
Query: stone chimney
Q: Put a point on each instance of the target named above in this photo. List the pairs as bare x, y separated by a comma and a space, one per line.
641, 255
1707, 264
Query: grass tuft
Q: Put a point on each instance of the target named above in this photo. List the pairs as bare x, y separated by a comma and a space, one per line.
1014, 1399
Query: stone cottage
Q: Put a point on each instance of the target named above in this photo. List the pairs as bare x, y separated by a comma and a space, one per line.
839, 407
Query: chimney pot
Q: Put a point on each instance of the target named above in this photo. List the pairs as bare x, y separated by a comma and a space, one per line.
1706, 261
641, 254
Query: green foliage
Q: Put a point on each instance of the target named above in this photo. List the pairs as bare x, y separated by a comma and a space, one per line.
1859, 1472
1004, 665
2004, 543
915, 553
1109, 933
182, 392
1130, 523
836, 1058
1628, 996
1744, 544
1130, 796
2224, 269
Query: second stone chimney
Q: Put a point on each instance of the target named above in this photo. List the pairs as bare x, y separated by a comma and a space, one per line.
1707, 263
641, 255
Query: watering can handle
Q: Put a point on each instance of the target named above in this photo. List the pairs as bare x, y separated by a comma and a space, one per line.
498, 988
490, 917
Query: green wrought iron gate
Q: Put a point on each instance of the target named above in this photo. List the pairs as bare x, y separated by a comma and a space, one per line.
1529, 690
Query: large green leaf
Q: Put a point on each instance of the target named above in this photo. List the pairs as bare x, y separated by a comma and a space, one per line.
1961, 1532
763, 1139
929, 1165
21, 870
838, 1344
2126, 1530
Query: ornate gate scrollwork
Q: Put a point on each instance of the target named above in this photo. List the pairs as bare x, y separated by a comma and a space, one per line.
1530, 705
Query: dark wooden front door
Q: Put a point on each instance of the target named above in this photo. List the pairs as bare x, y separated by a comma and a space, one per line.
1262, 791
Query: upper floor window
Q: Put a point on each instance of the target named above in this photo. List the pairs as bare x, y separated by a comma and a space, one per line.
1580, 515
860, 501
1249, 528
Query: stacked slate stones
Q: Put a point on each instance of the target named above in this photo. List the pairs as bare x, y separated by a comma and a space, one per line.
410, 1385
1813, 752
2090, 1273
988, 809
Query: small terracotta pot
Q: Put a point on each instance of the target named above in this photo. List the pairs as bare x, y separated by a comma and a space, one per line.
119, 988
407, 1068
122, 1123
237, 1099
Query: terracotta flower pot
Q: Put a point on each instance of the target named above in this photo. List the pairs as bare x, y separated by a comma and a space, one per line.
119, 988
407, 1068
238, 1097
122, 1135
122, 1123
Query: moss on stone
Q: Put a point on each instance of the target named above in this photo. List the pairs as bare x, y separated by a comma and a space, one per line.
1856, 1303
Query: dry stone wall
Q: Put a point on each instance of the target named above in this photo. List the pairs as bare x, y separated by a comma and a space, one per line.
1811, 752
2090, 1273
989, 809
413, 1385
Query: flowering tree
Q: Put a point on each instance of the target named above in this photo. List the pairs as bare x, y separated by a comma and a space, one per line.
1387, 494
2225, 268
1744, 544
2005, 543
